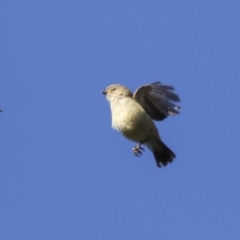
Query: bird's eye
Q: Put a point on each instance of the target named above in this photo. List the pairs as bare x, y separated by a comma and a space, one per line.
113, 89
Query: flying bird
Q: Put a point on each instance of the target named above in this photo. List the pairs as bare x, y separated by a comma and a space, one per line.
133, 115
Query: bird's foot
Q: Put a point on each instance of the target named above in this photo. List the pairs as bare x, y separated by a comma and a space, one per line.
137, 150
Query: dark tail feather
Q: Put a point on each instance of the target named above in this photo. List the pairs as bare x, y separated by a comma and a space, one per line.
164, 156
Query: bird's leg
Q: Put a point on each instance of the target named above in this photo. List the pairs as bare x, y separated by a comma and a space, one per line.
137, 150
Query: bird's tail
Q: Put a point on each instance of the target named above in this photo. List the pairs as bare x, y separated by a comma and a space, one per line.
163, 155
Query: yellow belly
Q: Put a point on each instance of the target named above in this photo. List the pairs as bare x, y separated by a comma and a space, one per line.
135, 124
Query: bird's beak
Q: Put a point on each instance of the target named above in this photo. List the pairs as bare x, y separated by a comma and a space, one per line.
104, 92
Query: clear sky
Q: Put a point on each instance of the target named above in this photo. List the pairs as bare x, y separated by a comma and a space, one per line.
64, 173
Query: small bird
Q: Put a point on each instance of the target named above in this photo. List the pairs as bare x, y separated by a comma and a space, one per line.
133, 115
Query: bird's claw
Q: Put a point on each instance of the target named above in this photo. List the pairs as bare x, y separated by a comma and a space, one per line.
137, 150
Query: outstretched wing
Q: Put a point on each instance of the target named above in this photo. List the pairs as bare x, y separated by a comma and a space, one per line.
157, 100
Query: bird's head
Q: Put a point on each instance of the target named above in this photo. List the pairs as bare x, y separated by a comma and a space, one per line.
116, 91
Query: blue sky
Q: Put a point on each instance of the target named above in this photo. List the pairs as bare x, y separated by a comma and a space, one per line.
64, 173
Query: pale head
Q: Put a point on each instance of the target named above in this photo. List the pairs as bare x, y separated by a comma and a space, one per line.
117, 90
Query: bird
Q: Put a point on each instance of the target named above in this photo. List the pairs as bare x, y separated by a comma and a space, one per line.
133, 115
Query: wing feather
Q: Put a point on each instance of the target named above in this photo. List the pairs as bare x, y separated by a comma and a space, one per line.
157, 100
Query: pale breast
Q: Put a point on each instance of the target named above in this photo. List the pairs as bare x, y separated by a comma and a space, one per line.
131, 120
